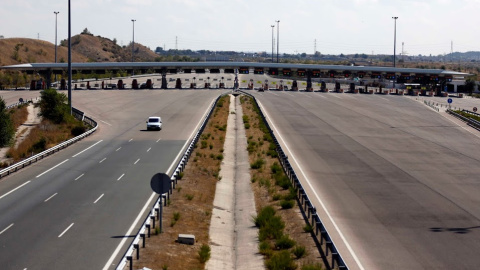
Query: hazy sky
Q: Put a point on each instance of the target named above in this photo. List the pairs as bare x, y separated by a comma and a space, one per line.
339, 26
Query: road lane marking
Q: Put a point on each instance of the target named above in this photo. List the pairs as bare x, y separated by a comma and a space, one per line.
121, 176
337, 96
118, 149
136, 162
66, 230
320, 96
87, 148
4, 230
350, 249
51, 197
13, 190
79, 177
149, 149
159, 139
130, 140
289, 94
98, 199
153, 195
385, 99
51, 168
105, 122
102, 160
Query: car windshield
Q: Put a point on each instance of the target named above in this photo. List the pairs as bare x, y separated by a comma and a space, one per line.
153, 120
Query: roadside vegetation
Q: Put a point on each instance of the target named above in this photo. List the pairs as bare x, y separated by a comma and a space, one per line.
7, 127
284, 239
190, 206
57, 126
467, 115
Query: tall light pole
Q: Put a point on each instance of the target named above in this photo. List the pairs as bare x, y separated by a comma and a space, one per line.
69, 57
273, 42
56, 13
278, 37
394, 41
133, 39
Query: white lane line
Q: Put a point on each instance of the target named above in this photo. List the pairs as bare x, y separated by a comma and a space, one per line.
118, 149
51, 168
130, 140
159, 139
385, 99
289, 94
350, 249
79, 177
149, 149
149, 201
51, 197
105, 123
136, 162
274, 94
66, 230
87, 148
320, 96
98, 199
121, 176
102, 160
337, 96
4, 230
13, 190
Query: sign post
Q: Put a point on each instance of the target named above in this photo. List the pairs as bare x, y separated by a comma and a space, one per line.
161, 184
450, 103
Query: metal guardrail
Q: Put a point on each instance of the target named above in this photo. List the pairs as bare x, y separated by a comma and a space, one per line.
20, 103
306, 204
19, 165
471, 122
154, 212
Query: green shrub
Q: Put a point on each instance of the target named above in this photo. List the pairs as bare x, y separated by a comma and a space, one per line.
291, 195
276, 168
176, 216
78, 130
7, 128
39, 146
272, 230
265, 214
312, 267
180, 175
287, 204
204, 253
265, 248
220, 157
204, 144
247, 126
189, 197
276, 197
281, 261
282, 181
284, 242
308, 228
257, 164
299, 252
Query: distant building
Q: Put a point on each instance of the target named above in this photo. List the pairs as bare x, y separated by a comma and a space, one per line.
2, 37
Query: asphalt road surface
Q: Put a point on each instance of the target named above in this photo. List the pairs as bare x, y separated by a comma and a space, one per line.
72, 210
399, 182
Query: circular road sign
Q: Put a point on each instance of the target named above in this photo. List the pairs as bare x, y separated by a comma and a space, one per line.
450, 100
160, 183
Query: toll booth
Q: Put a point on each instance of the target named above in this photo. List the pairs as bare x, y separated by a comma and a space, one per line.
295, 85
323, 86
134, 84
337, 87
178, 84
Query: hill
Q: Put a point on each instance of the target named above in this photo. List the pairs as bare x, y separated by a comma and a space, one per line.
15, 51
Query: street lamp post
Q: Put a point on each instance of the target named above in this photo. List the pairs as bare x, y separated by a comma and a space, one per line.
133, 39
56, 13
278, 37
273, 42
69, 57
394, 41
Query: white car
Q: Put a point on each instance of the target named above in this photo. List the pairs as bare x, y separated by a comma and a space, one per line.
154, 123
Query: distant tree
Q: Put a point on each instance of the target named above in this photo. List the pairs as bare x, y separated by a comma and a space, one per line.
7, 129
114, 41
86, 32
470, 85
304, 55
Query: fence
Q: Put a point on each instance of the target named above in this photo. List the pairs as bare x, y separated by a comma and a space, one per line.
306, 205
471, 122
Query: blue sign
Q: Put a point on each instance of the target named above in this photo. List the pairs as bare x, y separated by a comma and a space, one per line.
450, 100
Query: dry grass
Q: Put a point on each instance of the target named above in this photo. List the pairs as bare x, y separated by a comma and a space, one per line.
19, 115
190, 207
265, 189
42, 137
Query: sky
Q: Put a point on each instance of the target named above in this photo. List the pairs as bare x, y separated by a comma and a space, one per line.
331, 26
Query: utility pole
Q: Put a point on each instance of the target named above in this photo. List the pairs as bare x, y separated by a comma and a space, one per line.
133, 40
176, 43
315, 48
69, 57
278, 37
273, 42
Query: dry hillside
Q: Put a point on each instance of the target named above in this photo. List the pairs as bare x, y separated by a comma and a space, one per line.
23, 50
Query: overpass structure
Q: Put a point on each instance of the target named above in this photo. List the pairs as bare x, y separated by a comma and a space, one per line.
437, 78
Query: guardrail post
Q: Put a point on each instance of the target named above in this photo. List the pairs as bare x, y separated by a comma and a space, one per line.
130, 259
137, 249
328, 246
148, 228
157, 212
142, 235
334, 258
152, 218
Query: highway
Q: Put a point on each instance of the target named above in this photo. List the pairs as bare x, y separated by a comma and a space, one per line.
399, 182
73, 209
